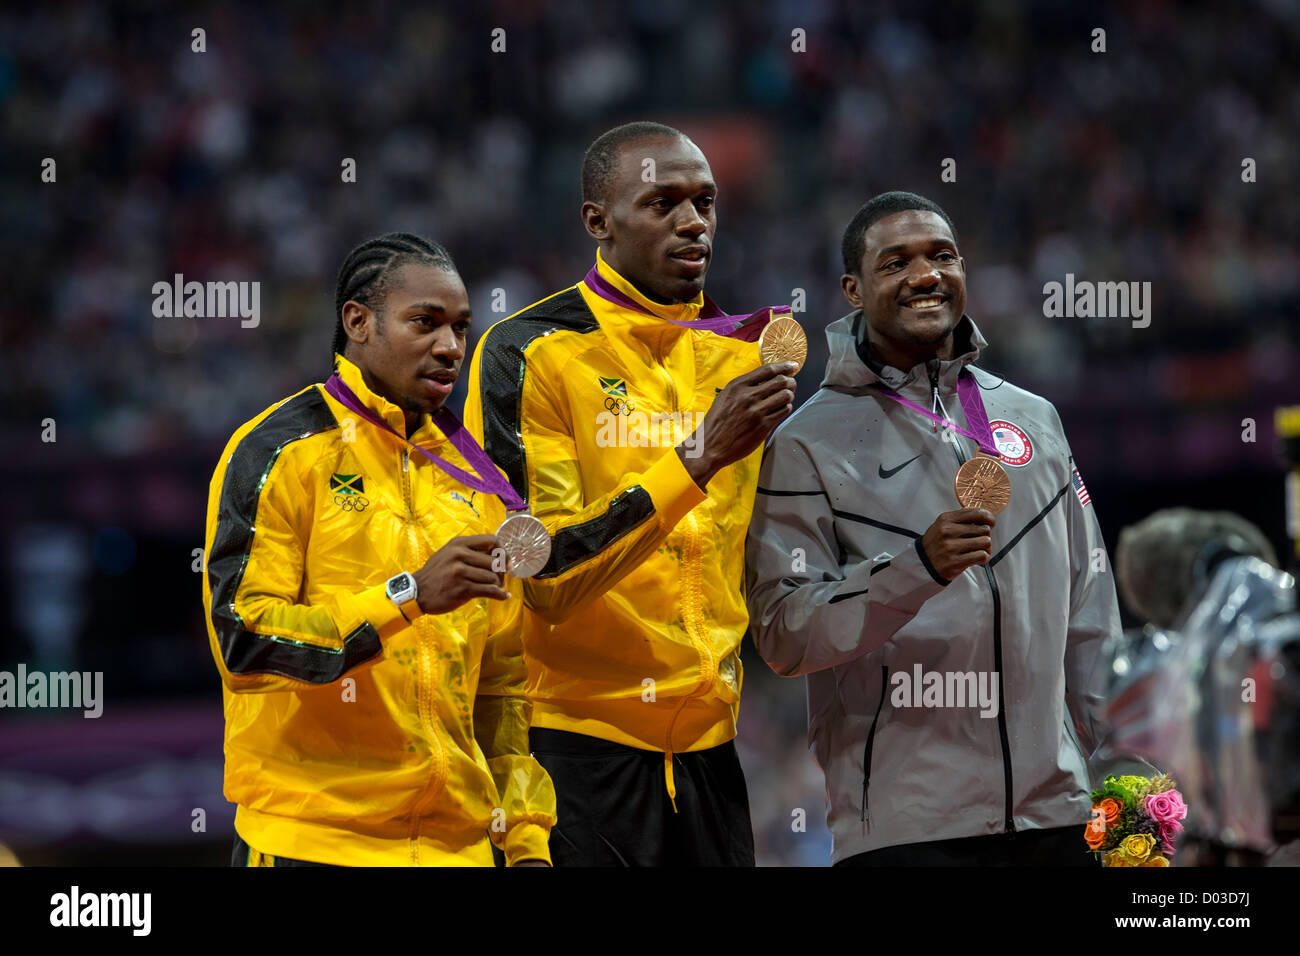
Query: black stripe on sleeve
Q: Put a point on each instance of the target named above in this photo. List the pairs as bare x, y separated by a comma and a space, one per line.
852, 594
845, 597
863, 519
575, 544
244, 651
501, 375
249, 653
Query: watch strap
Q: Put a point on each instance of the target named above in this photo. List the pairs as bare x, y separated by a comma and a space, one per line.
410, 610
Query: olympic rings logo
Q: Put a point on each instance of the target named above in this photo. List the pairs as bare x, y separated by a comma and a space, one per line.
620, 406
352, 502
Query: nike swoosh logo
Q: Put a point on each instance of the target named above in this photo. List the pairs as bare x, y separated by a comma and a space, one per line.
893, 471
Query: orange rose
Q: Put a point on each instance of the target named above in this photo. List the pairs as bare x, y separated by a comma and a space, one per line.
1094, 835
1111, 807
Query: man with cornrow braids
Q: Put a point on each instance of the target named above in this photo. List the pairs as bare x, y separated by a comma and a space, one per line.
371, 658
634, 430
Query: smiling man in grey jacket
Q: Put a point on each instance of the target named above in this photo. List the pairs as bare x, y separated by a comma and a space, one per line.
951, 655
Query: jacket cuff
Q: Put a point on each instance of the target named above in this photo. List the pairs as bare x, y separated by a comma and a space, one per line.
379, 611
672, 489
527, 841
925, 562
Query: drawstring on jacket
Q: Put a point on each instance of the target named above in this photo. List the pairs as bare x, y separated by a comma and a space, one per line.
668, 779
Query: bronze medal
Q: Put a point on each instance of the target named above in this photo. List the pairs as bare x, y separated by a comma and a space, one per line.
783, 340
982, 482
526, 544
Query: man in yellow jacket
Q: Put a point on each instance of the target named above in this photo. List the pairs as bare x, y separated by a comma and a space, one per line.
371, 659
636, 439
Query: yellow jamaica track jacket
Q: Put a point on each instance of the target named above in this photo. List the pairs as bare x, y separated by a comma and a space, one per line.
632, 630
352, 736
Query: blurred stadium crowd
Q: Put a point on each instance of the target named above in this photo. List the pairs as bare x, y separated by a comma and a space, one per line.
225, 165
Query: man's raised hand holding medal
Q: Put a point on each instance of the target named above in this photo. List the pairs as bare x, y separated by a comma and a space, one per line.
741, 417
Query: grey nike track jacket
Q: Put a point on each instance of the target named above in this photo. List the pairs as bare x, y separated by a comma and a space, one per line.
896, 658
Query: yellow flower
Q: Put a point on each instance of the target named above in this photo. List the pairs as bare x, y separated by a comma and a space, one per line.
1158, 860
1117, 857
1138, 846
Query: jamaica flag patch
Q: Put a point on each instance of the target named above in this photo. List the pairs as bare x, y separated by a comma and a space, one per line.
613, 386
347, 485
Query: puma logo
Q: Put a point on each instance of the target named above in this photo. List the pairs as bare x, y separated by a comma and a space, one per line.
469, 501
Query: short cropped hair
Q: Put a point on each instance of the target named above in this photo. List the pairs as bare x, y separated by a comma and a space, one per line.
600, 163
853, 246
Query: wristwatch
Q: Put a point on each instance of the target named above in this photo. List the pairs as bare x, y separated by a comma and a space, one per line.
401, 591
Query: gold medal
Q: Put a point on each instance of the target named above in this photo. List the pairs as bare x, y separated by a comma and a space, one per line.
783, 340
526, 544
982, 482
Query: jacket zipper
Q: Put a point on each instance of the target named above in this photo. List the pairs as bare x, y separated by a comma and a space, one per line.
692, 598
871, 739
1009, 820
424, 693
708, 666
691, 556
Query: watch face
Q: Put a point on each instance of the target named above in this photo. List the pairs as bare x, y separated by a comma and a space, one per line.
400, 584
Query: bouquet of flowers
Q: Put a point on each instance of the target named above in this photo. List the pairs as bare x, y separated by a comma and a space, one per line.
1135, 821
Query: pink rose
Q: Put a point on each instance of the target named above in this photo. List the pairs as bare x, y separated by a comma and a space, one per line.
1167, 807
1168, 833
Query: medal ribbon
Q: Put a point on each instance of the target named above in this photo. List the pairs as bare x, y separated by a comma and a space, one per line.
747, 328
491, 481
971, 404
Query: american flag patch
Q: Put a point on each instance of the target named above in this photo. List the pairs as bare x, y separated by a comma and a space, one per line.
1079, 489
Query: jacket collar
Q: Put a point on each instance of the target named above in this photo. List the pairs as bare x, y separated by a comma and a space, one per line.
656, 335
852, 366
425, 433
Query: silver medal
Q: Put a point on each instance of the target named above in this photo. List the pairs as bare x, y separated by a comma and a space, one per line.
526, 544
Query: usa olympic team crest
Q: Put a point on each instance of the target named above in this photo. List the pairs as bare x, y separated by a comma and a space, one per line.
1012, 443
